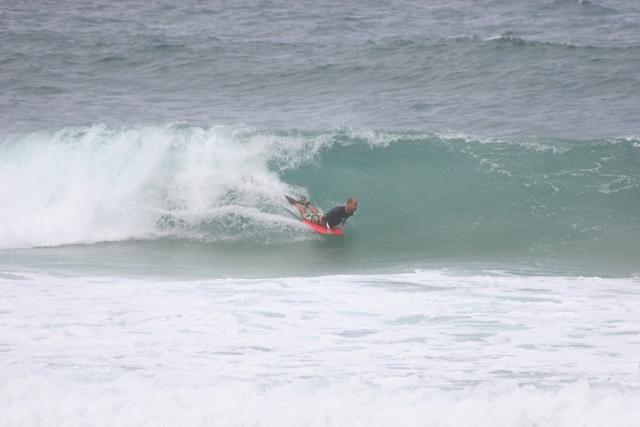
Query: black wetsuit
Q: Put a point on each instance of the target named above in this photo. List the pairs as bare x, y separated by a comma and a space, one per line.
337, 216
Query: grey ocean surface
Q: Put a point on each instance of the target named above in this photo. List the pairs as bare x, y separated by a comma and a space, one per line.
560, 68
151, 274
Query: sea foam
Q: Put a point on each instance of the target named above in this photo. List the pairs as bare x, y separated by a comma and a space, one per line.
426, 348
83, 185
39, 401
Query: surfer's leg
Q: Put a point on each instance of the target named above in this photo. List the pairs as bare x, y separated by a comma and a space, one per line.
300, 207
311, 217
312, 214
314, 210
317, 217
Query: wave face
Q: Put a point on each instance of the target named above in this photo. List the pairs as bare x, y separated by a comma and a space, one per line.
456, 195
422, 195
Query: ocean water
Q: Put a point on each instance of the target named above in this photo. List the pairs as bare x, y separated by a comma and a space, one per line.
150, 273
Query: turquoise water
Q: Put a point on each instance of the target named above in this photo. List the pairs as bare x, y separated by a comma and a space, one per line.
504, 134
211, 199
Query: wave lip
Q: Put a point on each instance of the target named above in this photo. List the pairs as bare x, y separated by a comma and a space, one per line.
84, 185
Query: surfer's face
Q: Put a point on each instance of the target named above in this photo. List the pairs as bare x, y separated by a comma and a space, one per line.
352, 206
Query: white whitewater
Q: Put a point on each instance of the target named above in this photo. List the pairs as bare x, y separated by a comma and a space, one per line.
422, 348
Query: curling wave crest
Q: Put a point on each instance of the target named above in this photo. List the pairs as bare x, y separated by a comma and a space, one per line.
422, 195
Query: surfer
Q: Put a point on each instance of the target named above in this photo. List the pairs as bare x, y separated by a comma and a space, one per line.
335, 218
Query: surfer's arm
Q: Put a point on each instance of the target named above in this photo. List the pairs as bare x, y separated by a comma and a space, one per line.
338, 226
342, 222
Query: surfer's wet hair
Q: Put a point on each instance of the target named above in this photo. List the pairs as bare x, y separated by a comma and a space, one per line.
351, 200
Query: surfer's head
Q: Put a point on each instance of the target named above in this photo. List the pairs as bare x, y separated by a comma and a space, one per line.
352, 205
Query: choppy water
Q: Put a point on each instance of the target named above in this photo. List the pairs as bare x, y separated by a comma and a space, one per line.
149, 270
552, 67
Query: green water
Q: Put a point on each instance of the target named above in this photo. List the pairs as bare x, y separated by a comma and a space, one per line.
213, 203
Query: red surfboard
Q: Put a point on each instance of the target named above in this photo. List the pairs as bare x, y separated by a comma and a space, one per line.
324, 230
